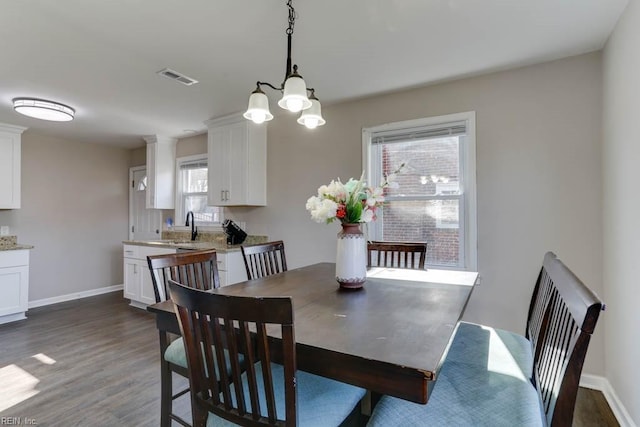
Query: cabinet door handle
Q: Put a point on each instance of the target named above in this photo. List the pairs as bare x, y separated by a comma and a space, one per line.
222, 195
226, 195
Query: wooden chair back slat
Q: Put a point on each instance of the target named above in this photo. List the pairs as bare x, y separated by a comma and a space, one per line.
410, 255
223, 379
264, 259
214, 386
562, 316
195, 269
211, 324
539, 302
263, 349
251, 373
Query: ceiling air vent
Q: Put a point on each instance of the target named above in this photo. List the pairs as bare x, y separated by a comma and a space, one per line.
174, 75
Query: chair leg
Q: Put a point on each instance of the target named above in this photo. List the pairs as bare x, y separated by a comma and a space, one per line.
199, 415
166, 386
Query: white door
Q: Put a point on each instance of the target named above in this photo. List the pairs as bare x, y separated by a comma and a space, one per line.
144, 224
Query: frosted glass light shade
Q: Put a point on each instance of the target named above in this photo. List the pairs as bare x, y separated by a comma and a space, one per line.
294, 97
44, 110
258, 111
312, 116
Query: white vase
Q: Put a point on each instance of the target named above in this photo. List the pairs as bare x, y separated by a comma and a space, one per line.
351, 257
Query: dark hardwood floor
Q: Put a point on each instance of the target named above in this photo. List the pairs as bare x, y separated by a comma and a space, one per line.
95, 362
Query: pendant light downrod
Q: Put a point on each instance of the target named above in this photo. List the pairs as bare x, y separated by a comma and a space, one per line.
293, 88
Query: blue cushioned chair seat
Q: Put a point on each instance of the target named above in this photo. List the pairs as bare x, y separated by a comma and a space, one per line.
322, 402
490, 347
465, 395
176, 354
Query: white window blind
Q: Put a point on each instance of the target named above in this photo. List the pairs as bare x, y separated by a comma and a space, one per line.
435, 200
419, 133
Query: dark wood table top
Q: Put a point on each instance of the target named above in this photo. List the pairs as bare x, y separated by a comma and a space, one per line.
389, 337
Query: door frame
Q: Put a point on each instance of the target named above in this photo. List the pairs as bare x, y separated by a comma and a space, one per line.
132, 170
132, 192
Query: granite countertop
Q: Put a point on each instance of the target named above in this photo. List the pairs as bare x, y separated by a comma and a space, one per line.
10, 243
206, 240
15, 247
220, 247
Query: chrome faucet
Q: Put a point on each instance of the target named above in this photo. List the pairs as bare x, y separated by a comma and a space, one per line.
194, 229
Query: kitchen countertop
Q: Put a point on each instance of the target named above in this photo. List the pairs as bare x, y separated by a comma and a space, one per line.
10, 243
196, 245
15, 247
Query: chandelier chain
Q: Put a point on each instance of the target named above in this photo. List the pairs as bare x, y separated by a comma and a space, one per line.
292, 17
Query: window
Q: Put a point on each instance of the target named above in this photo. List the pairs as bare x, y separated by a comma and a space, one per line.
436, 200
191, 194
142, 184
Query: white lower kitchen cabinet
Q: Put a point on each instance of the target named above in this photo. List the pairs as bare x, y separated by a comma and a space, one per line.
138, 286
14, 285
231, 268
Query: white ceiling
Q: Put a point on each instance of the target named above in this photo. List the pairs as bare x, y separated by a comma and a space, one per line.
101, 57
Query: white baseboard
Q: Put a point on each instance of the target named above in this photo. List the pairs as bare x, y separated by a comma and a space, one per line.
74, 296
11, 318
594, 382
602, 384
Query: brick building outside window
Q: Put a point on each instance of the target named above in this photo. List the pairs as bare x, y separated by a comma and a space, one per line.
435, 200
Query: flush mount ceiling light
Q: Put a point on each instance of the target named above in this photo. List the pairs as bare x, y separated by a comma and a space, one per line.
294, 92
44, 110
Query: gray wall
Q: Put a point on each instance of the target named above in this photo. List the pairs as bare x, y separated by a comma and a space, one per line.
74, 211
538, 177
538, 174
621, 156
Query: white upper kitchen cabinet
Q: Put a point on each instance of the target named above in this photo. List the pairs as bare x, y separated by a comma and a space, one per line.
237, 158
10, 149
161, 172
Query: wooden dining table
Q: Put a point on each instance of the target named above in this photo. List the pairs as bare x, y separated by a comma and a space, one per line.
389, 337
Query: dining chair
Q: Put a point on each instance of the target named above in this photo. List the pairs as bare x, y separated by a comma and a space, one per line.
496, 377
264, 259
270, 390
396, 254
196, 269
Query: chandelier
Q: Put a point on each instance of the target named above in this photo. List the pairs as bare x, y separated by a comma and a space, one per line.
294, 92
